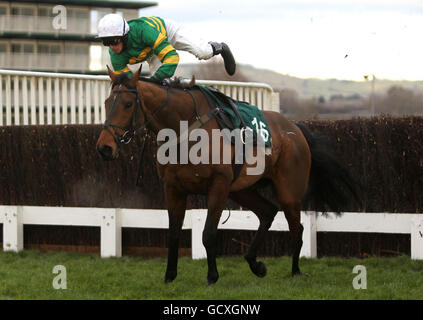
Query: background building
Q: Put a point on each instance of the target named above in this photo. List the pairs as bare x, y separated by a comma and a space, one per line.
58, 36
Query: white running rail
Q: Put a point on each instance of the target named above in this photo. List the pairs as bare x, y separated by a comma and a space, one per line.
38, 98
111, 222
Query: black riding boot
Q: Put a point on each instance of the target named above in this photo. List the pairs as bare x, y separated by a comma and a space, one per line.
223, 49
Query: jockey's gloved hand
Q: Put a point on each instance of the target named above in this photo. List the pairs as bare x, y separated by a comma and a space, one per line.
163, 82
166, 82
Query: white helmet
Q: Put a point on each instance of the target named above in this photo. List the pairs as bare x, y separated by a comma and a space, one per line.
112, 25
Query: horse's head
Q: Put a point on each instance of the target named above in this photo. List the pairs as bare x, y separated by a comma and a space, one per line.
123, 108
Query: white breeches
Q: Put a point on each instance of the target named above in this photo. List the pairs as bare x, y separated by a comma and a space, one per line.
181, 38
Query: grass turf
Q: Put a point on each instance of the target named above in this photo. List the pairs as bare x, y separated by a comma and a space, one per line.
29, 275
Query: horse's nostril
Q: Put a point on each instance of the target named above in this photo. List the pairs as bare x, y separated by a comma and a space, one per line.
106, 152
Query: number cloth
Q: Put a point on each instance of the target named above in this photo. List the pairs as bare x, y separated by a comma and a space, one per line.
251, 115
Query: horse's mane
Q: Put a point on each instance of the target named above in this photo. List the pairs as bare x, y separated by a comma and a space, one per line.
178, 82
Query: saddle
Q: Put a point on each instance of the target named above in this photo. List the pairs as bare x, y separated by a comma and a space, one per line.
218, 101
224, 109
233, 114
227, 114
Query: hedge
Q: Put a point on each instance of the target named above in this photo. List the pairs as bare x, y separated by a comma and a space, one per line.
59, 166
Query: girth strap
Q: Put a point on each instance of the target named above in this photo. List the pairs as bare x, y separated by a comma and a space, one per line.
201, 120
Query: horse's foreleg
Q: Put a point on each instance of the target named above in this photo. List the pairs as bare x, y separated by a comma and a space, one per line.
176, 203
266, 212
217, 196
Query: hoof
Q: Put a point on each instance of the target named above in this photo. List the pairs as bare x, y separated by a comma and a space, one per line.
168, 280
299, 273
259, 269
211, 282
212, 279
169, 277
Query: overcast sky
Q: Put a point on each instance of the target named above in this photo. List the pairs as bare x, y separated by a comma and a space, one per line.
325, 39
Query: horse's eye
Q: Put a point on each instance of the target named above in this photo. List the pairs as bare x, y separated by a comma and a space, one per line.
128, 105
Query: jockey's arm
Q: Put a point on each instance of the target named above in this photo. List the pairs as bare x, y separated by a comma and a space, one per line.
167, 55
119, 63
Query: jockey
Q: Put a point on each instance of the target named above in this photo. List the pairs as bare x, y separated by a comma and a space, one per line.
155, 40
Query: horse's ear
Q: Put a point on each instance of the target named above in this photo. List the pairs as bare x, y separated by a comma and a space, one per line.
112, 75
192, 82
135, 77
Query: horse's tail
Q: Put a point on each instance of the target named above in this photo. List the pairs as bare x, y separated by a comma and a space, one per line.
331, 187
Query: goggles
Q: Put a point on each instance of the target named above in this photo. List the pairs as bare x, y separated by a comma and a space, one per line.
111, 41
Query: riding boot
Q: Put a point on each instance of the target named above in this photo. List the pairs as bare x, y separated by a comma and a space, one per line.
223, 49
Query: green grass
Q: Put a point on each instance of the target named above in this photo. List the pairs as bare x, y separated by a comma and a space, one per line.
29, 275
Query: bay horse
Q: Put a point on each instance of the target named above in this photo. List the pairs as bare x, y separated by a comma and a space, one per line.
296, 165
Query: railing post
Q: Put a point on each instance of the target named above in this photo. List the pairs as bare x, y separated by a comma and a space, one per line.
96, 103
49, 101
1, 100
72, 101
275, 101
81, 102
64, 101
198, 221
57, 119
40, 100
16, 114
309, 248
32, 101
12, 229
111, 233
417, 238
25, 100
8, 101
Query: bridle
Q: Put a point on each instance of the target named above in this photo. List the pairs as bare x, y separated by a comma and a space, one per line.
132, 131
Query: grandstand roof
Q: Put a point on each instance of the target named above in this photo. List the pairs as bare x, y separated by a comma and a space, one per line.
124, 4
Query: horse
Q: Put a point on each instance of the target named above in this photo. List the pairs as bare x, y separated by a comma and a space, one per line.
297, 168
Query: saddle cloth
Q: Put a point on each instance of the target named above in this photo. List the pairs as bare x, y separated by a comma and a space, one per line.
238, 114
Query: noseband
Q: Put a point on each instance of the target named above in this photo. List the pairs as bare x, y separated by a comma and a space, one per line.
132, 131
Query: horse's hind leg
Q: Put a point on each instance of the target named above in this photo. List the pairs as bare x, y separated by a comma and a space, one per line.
293, 216
291, 181
289, 196
217, 196
176, 203
266, 212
